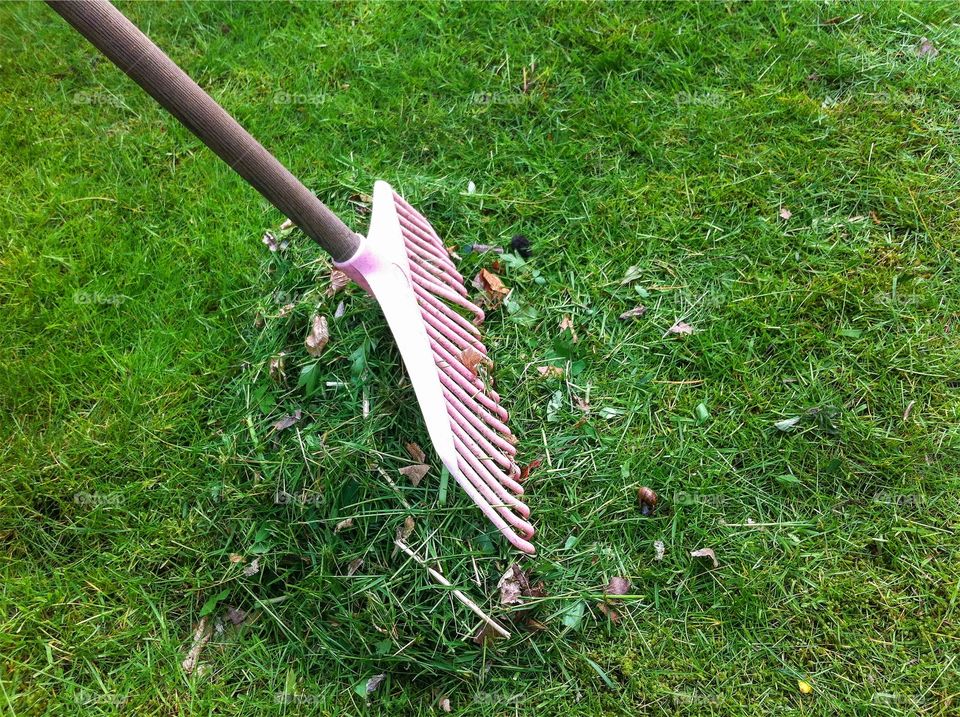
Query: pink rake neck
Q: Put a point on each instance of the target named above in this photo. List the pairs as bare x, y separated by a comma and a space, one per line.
403, 263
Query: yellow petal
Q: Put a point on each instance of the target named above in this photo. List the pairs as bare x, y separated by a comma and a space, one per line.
805, 687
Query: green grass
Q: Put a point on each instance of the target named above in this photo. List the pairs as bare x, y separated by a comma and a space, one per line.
137, 454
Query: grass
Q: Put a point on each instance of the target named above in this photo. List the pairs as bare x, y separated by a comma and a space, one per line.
141, 311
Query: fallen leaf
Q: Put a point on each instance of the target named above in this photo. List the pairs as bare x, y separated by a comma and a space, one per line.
509, 586
318, 337
515, 583
286, 310
344, 524
532, 465
573, 614
705, 553
415, 452
340, 311
201, 636
486, 248
554, 405
681, 328
445, 704
633, 273
567, 323
415, 473
234, 558
634, 313
471, 187
374, 682
276, 367
906, 411
608, 610
804, 687
287, 224
617, 586
354, 566
787, 424
452, 251
581, 404
472, 358
287, 421
485, 635
235, 615
494, 290
253, 568
270, 241
659, 550
361, 203
338, 280
785, 213
406, 530
550, 371
927, 49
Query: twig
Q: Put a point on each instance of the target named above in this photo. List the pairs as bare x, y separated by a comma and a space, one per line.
201, 637
500, 630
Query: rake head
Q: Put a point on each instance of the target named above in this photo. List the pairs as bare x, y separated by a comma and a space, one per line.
403, 263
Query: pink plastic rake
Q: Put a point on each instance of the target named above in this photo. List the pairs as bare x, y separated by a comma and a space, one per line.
401, 261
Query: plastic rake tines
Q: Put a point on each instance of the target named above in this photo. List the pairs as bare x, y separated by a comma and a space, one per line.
404, 264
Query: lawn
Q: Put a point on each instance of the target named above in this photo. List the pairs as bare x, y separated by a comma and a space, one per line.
783, 179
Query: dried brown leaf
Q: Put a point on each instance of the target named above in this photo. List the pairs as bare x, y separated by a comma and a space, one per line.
253, 568
567, 323
617, 586
445, 704
286, 310
287, 224
287, 421
344, 524
472, 358
354, 566
515, 583
235, 615
681, 328
338, 280
531, 466
318, 337
550, 371
494, 290
510, 587
705, 553
276, 367
634, 313
415, 452
608, 610
374, 682
234, 558
486, 635
406, 530
927, 49
415, 473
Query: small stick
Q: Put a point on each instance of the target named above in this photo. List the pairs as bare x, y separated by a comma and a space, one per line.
456, 593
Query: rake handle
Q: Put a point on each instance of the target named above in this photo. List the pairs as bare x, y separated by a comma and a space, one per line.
147, 65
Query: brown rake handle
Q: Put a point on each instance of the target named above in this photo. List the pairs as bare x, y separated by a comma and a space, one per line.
133, 52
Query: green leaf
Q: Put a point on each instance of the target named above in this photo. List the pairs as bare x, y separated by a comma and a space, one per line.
211, 604
788, 479
573, 614
703, 415
554, 405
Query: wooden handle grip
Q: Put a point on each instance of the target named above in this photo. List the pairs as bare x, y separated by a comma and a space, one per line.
133, 52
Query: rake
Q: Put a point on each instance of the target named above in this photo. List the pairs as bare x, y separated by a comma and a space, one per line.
401, 262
